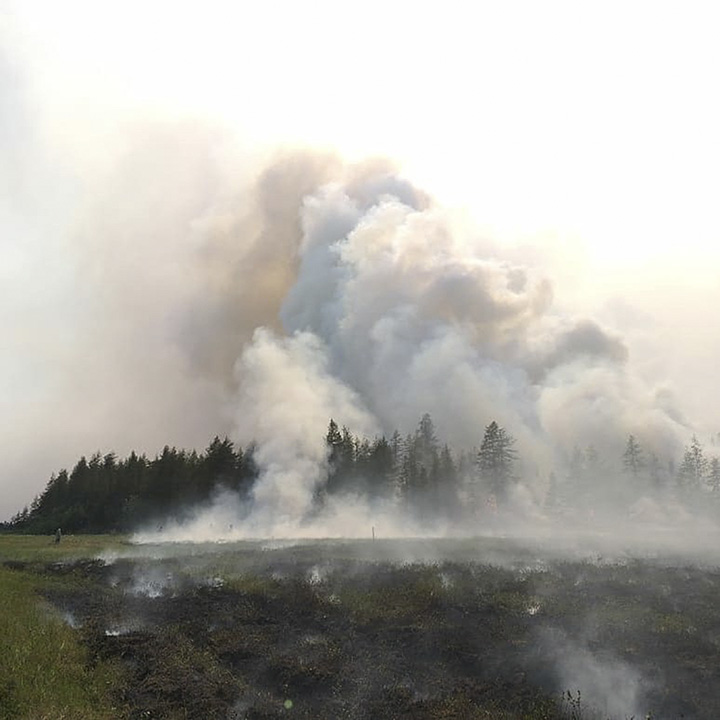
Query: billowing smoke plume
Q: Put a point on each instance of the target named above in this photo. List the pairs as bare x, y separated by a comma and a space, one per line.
343, 291
286, 395
205, 290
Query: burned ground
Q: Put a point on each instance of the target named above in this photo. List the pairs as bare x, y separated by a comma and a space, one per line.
311, 632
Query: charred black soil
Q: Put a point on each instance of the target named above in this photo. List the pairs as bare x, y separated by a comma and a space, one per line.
293, 632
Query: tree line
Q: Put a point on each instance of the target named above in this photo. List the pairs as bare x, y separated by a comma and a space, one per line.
417, 471
104, 494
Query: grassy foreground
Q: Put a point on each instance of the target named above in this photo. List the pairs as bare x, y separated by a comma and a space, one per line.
44, 669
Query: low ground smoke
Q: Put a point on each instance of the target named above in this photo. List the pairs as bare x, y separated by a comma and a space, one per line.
604, 682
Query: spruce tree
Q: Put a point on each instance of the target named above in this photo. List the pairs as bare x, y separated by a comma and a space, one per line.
714, 475
633, 460
495, 460
693, 467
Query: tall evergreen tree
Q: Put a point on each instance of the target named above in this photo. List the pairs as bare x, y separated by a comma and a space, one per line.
654, 471
333, 440
409, 468
342, 450
379, 469
552, 498
633, 460
397, 450
219, 466
448, 480
495, 460
714, 474
426, 442
426, 489
693, 467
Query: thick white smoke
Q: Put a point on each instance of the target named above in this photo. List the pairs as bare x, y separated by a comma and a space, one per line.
286, 398
141, 245
390, 311
205, 290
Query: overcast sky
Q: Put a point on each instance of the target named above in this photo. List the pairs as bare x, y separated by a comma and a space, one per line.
581, 138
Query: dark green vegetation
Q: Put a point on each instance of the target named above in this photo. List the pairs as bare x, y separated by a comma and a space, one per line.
105, 494
468, 629
430, 482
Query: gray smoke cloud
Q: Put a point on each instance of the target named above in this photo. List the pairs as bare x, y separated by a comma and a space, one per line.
286, 395
361, 296
411, 316
161, 283
387, 312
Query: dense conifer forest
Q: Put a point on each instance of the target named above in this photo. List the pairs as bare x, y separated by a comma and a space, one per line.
416, 471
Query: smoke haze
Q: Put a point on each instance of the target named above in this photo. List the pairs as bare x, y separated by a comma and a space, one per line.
165, 279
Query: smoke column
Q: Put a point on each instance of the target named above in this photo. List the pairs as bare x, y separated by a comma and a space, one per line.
346, 292
149, 224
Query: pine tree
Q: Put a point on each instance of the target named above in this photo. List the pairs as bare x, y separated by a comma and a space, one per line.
633, 460
347, 455
397, 451
448, 469
333, 439
495, 460
220, 465
363, 454
714, 475
654, 470
409, 468
449, 482
552, 498
693, 467
426, 442
427, 487
379, 469
342, 455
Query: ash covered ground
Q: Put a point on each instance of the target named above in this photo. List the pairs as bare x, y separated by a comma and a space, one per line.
472, 628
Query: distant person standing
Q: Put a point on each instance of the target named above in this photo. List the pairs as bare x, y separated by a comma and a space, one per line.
58, 536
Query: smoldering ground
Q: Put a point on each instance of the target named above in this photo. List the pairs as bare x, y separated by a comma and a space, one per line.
399, 628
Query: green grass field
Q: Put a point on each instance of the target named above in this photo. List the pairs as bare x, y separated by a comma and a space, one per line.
44, 549
44, 669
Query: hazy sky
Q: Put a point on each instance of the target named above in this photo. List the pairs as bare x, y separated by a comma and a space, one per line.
582, 138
